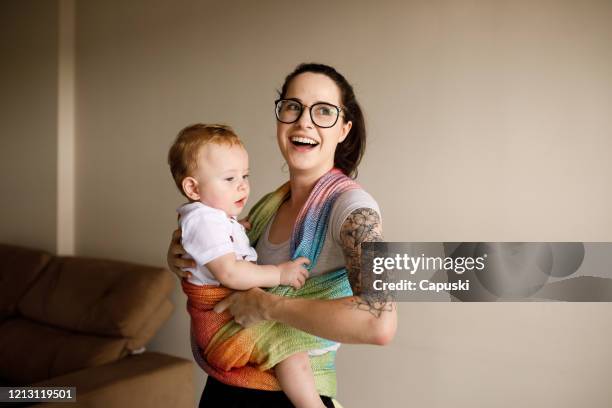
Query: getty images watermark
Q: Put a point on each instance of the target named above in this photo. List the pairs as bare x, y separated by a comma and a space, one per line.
413, 264
487, 271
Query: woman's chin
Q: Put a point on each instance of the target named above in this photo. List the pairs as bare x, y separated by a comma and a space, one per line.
307, 167
301, 160
307, 161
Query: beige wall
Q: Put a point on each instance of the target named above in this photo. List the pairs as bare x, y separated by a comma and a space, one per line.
28, 109
488, 121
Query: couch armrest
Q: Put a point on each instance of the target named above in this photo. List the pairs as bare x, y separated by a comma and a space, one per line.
145, 380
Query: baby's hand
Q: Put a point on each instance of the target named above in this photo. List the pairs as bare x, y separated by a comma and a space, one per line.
293, 272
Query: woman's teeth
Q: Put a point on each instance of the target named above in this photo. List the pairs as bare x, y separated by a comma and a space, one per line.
303, 141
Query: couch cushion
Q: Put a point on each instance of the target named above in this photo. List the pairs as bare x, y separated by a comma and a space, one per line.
101, 297
148, 380
19, 267
31, 352
151, 326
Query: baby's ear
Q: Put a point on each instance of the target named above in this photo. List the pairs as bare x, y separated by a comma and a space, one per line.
191, 188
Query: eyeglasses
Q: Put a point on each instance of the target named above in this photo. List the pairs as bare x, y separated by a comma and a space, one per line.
323, 115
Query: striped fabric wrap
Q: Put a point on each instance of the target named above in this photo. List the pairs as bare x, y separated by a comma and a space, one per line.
244, 357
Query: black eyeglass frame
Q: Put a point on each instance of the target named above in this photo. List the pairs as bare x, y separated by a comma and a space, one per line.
302, 106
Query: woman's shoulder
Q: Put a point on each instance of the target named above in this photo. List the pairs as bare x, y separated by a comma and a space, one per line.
351, 200
348, 202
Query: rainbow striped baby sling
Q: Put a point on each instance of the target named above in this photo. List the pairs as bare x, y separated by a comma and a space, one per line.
244, 357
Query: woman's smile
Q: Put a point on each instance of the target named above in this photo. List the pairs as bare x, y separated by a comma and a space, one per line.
303, 143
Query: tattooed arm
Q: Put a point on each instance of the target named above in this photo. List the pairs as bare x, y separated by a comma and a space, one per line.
362, 225
355, 319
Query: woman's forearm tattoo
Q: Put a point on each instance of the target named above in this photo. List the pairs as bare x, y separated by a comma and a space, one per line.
362, 225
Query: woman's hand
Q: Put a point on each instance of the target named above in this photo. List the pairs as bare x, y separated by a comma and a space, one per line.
174, 256
248, 307
245, 223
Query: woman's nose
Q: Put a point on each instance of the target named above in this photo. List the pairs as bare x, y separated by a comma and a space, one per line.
304, 120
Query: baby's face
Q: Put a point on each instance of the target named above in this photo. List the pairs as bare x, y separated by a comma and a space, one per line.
222, 177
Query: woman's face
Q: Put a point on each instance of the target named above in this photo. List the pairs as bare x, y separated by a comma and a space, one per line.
318, 158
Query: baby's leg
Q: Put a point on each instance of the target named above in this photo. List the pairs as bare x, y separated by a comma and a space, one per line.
297, 381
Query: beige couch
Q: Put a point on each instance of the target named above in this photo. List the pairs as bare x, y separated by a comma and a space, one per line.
67, 321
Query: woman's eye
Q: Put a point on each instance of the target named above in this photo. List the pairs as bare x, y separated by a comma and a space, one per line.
292, 106
324, 111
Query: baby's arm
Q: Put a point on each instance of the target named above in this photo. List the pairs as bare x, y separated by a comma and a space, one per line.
242, 275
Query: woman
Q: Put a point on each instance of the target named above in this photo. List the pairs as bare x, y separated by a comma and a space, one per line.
319, 126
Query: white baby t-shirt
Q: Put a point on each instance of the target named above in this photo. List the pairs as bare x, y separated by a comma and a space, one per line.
208, 233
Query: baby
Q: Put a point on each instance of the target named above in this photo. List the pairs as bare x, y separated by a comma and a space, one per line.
210, 166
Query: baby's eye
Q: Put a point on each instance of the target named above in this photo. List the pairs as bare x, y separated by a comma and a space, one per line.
229, 179
246, 176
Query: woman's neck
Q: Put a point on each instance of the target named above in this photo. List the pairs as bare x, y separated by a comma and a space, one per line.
302, 184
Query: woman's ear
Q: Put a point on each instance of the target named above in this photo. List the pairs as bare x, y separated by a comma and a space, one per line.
191, 188
346, 128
